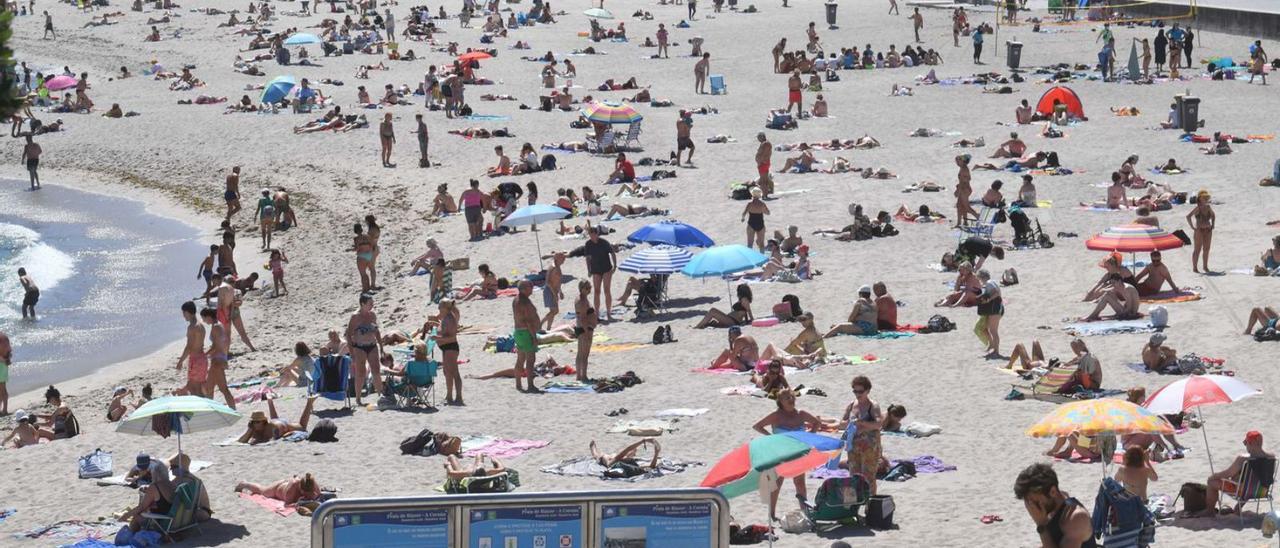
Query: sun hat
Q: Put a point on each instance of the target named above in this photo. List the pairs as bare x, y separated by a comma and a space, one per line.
1158, 339
258, 416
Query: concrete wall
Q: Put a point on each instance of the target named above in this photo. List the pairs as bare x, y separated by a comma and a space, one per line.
1251, 24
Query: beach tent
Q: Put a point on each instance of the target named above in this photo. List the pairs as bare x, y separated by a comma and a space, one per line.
1063, 94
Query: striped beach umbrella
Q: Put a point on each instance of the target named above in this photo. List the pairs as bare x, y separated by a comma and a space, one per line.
1198, 390
611, 112
738, 472
661, 259
178, 415
1133, 238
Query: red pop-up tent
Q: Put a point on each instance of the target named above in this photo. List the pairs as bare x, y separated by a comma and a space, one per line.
1064, 95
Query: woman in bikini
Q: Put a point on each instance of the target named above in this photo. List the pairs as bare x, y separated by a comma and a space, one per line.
262, 429
446, 338
966, 287
864, 413
1202, 219
626, 462
1270, 259
289, 491
753, 215
739, 313
584, 327
787, 418
375, 233
365, 341
364, 257
963, 209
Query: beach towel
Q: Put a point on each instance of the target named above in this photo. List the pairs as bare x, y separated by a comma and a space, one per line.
681, 412
1108, 327
643, 427
90, 543
500, 448
925, 464
73, 529
567, 387
234, 441
608, 348
1169, 297
488, 117
742, 390
888, 335
587, 466
277, 507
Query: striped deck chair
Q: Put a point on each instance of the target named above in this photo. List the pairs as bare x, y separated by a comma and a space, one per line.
1047, 388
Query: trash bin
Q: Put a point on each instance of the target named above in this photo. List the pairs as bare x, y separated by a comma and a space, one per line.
831, 14
1189, 113
1013, 53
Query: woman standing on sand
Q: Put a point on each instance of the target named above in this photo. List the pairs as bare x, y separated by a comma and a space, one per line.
864, 414
1162, 46
364, 257
1146, 58
6, 359
787, 418
990, 311
446, 338
584, 328
963, 191
1202, 220
753, 215
365, 342
388, 136
375, 233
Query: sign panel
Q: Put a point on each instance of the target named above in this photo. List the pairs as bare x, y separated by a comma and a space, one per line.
666, 525
425, 528
559, 526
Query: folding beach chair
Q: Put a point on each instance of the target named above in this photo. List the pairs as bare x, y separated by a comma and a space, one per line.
181, 515
717, 85
1253, 484
604, 145
984, 227
1122, 519
840, 499
632, 136
330, 377
1048, 387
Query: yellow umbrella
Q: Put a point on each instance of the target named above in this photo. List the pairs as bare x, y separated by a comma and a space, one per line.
1099, 416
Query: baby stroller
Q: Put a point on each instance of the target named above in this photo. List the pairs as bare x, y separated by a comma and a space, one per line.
1023, 234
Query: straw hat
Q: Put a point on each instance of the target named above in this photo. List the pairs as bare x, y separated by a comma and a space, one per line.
258, 416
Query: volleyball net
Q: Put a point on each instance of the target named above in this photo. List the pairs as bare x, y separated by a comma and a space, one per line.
1086, 12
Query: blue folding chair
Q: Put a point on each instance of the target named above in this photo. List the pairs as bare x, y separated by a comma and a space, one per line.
330, 377
717, 85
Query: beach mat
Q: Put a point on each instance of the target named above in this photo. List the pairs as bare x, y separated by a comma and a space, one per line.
501, 448
1170, 297
274, 506
1108, 327
588, 467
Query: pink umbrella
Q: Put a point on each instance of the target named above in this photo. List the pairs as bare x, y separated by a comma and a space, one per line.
59, 83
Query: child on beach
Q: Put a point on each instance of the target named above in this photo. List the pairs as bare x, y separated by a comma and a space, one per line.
276, 263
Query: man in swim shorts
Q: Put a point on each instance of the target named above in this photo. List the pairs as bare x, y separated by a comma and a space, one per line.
526, 319
794, 97
764, 157
226, 296
193, 354
683, 125
232, 192
219, 342
30, 296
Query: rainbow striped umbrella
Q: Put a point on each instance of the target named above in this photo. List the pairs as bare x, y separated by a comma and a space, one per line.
1099, 416
611, 112
1133, 238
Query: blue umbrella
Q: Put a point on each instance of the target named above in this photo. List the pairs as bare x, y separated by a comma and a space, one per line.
535, 214
278, 89
723, 259
671, 232
817, 441
662, 259
301, 39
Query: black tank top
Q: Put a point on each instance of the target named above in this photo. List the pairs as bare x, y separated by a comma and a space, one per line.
1055, 524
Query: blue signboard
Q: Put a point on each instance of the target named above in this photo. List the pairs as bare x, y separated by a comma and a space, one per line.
526, 527
421, 528
668, 525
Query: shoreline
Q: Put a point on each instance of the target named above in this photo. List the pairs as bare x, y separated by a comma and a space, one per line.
153, 202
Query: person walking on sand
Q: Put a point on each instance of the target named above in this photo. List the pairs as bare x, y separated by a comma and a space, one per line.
700, 73
584, 327
794, 97
977, 45
764, 157
48, 27
526, 320
387, 134
893, 8
30, 295
219, 341
917, 23
232, 192
193, 354
205, 270
552, 292
423, 141
31, 156
990, 311
1202, 219
663, 39
683, 125
6, 360
229, 311
364, 257
474, 202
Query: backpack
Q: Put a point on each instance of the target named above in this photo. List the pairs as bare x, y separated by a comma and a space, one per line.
325, 431
447, 445
423, 444
465, 110
939, 324
740, 193
622, 469
97, 464
1193, 497
548, 162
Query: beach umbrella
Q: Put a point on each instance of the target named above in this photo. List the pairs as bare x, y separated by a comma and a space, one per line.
473, 56
671, 233
181, 415
301, 39
534, 215
598, 13
1195, 392
662, 259
278, 89
1099, 416
739, 472
60, 82
1133, 238
723, 259
611, 112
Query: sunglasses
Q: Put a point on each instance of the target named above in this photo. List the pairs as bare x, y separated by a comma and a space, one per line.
859, 391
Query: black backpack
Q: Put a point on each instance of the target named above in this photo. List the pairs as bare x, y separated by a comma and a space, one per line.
939, 324
423, 444
548, 162
325, 431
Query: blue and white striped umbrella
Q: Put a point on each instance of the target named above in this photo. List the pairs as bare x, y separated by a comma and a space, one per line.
661, 259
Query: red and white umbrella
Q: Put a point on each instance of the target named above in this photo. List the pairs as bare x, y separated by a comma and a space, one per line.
1196, 391
1133, 238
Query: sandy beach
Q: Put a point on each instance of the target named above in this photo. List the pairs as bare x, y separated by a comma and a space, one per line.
174, 158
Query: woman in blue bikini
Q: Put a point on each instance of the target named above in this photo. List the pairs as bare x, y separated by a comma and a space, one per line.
788, 419
364, 257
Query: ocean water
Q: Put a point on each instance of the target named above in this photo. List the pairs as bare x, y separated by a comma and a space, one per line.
111, 279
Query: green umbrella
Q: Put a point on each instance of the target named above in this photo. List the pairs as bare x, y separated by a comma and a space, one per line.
178, 414
738, 472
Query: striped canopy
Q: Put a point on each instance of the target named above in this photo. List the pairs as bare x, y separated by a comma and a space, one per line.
1198, 390
660, 259
1099, 416
1133, 238
611, 112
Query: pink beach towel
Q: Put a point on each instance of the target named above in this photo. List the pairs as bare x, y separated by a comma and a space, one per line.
272, 505
506, 449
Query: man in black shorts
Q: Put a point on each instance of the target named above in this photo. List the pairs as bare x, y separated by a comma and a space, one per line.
683, 125
602, 260
31, 295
